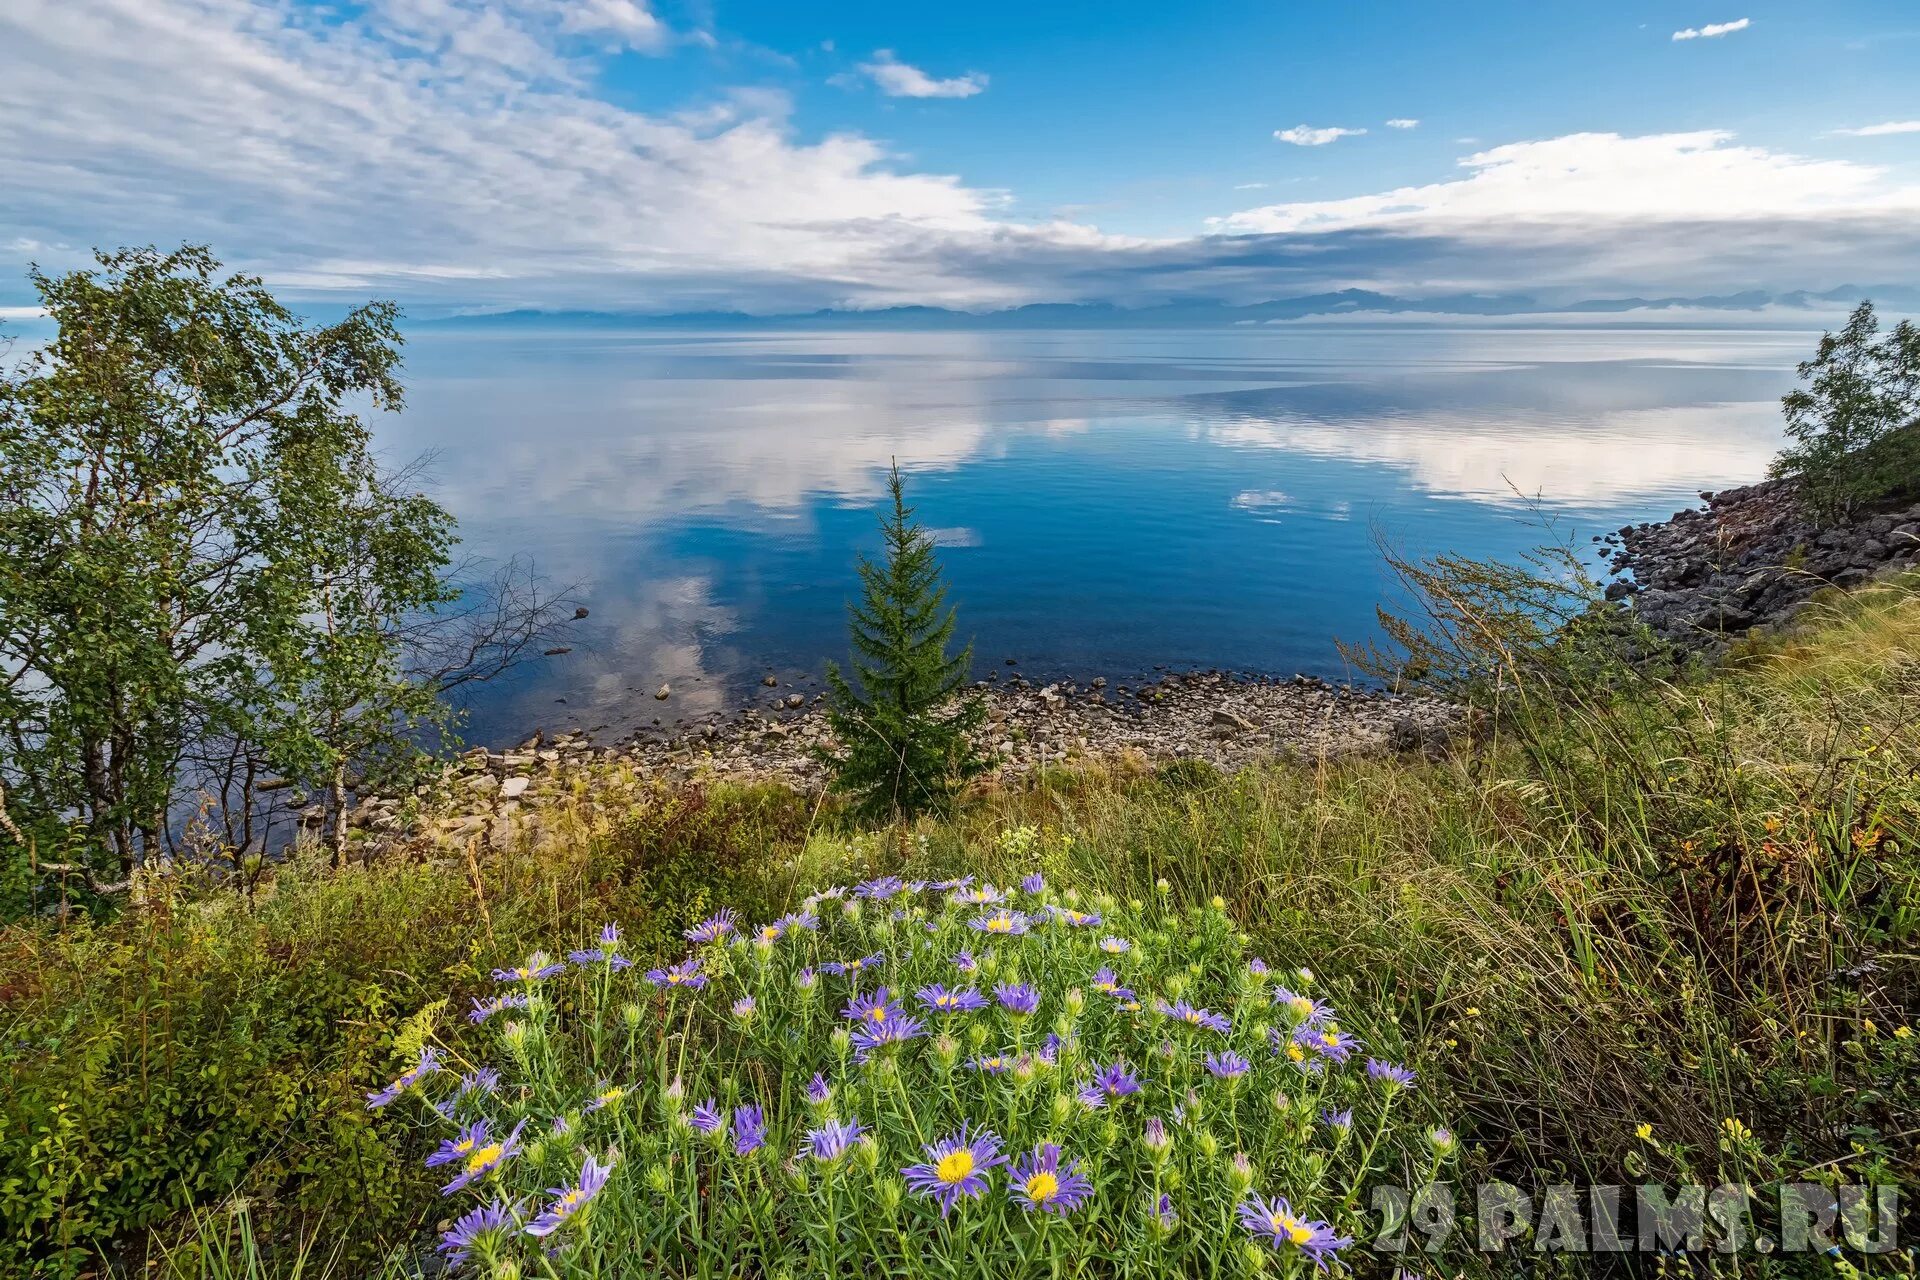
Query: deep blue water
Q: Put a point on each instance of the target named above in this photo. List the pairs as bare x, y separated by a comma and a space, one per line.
1108, 501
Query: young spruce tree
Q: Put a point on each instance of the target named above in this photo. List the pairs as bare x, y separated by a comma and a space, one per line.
903, 723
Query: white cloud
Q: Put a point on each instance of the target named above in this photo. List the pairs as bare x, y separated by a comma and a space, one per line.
1403, 122
1880, 130
1590, 176
898, 79
1304, 135
1713, 29
1250, 186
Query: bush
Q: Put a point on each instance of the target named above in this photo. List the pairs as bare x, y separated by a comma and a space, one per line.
988, 1084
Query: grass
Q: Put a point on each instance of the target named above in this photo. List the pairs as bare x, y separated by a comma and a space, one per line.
1671, 903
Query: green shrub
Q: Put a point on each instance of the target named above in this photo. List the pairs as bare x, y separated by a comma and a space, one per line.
1855, 426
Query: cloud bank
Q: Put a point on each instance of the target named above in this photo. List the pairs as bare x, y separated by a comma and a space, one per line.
457, 154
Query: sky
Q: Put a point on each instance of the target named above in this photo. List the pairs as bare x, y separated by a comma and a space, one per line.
660, 156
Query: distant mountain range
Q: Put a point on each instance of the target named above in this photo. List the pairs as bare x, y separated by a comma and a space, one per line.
1071, 315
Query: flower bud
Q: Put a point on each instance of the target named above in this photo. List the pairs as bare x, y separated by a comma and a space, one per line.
1062, 1109
946, 1051
1217, 902
1076, 1000
1442, 1141
657, 1179
842, 1041
890, 1193
1162, 886
1239, 1173
1208, 1145
631, 1014
866, 1153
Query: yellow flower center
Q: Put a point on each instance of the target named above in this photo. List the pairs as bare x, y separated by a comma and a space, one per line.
572, 1200
1042, 1187
955, 1168
611, 1096
484, 1158
463, 1146
1300, 1006
1299, 1232
1295, 1052
877, 1014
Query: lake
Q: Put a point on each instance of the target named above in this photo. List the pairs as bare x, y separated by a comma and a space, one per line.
1107, 502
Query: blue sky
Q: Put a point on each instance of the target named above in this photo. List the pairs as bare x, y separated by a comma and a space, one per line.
618, 154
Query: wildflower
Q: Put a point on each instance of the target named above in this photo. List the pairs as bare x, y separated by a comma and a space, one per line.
874, 1008
471, 1138
1164, 1218
1386, 1073
1039, 1183
428, 1063
1239, 1173
609, 1095
485, 1080
1227, 1066
818, 1090
484, 1009
707, 1118
713, 928
853, 968
1443, 1142
599, 955
1033, 882
830, 1141
1903, 1033
685, 974
1078, 919
1181, 1011
1341, 1120
879, 890
768, 934
806, 979
1328, 1041
1304, 1010
896, 1029
956, 1166
1003, 923
535, 969
485, 1158
477, 1231
1110, 1084
1108, 982
1257, 967
993, 1064
1294, 1049
940, 1000
749, 1130
983, 896
1735, 1131
1154, 1137
1017, 997
1115, 946
745, 1007
571, 1200
1277, 1223
964, 962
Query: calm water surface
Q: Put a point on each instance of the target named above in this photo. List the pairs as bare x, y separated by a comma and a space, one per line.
1107, 502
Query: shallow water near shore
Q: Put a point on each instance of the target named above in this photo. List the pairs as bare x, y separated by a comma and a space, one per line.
1108, 502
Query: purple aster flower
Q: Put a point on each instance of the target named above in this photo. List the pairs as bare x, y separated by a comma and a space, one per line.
571, 1200
685, 974
536, 968
1341, 1120
852, 968
1275, 1222
745, 1007
609, 1095
960, 882
978, 896
485, 1158
1110, 1084
1003, 923
956, 1166
1163, 1213
428, 1063
1017, 997
609, 936
714, 927
1115, 946
1303, 1010
940, 1000
875, 1008
1154, 1135
1181, 1011
470, 1139
1328, 1041
599, 956
879, 889
484, 1009
993, 1064
819, 1091
706, 1117
1108, 982
831, 1140
1257, 967
806, 979
1227, 1066
896, 1029
1033, 882
749, 1130
1388, 1074
965, 963
1039, 1183
476, 1231
483, 1081
1078, 919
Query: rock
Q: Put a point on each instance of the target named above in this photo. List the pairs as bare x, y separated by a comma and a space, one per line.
663, 693
483, 783
771, 682
580, 613
514, 788
1225, 719
796, 700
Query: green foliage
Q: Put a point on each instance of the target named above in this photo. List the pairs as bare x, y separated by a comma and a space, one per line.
1031, 1019
1855, 426
904, 729
198, 562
